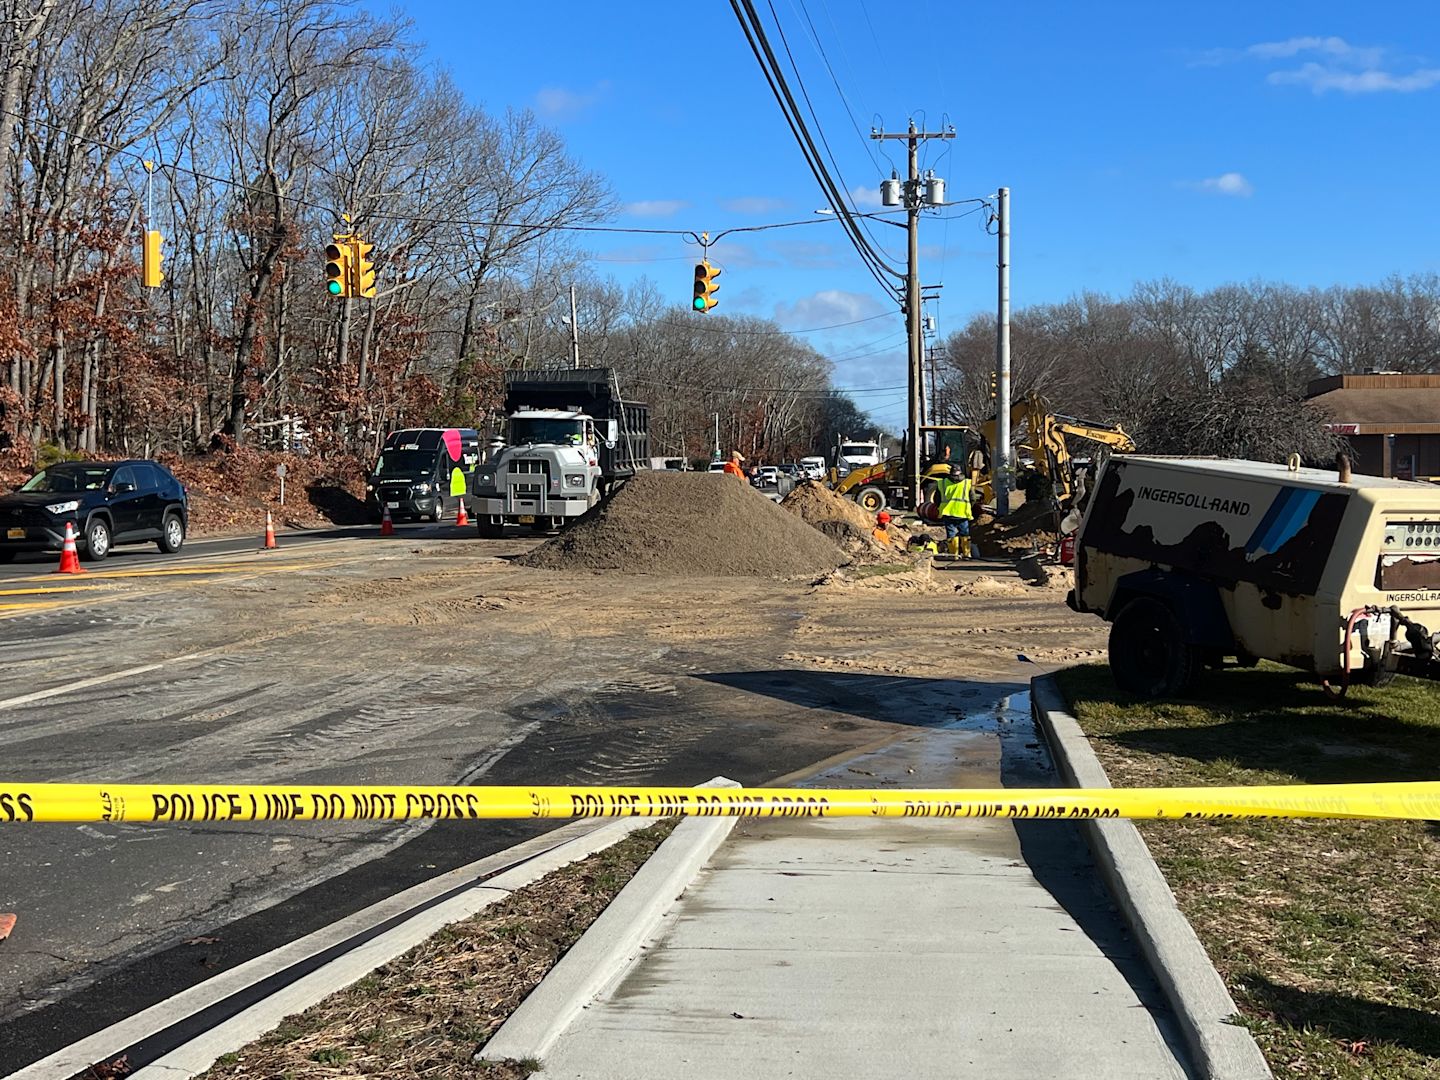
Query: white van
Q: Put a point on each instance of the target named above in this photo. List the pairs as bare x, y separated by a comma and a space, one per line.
812, 468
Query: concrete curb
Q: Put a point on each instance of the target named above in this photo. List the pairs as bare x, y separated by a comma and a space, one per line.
614, 939
1219, 1050
471, 889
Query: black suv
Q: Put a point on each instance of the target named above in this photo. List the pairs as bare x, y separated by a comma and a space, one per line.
108, 502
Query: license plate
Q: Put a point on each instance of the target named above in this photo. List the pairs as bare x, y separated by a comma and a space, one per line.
392, 506
527, 519
15, 534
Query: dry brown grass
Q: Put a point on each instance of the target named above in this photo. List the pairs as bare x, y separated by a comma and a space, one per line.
424, 1014
1326, 932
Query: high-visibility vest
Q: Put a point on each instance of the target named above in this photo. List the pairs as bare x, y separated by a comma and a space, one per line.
954, 497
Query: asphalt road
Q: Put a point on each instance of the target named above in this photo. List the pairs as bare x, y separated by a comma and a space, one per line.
265, 676
28, 563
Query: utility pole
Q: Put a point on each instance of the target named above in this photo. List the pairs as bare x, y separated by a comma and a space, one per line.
574, 331
1001, 467
933, 194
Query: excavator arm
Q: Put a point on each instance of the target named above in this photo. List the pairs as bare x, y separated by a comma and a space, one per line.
1044, 441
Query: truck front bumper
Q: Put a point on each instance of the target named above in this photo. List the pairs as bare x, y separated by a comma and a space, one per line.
555, 510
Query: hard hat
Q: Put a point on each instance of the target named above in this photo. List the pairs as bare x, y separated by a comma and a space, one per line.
882, 518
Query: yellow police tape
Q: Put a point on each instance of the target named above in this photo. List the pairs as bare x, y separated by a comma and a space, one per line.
247, 802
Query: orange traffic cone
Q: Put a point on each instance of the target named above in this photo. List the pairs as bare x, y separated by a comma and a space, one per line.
387, 527
462, 518
270, 544
69, 557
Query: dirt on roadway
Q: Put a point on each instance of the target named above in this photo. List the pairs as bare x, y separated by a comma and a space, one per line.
431, 657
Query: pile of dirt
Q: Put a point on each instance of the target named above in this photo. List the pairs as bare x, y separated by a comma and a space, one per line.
689, 525
843, 521
1031, 526
836, 516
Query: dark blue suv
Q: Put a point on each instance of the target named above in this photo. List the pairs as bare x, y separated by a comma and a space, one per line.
108, 502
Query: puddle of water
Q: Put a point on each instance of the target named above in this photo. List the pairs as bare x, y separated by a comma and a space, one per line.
1024, 758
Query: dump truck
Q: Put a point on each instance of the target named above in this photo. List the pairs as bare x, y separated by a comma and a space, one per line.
1194, 561
570, 441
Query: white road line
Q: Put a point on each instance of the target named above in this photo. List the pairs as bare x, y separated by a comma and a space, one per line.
95, 680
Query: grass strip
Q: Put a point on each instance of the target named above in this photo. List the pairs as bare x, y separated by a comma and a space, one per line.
426, 1013
1326, 932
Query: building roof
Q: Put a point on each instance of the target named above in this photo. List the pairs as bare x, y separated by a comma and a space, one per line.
1379, 404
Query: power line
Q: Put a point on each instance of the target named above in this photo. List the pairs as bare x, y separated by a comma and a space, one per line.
755, 36
815, 116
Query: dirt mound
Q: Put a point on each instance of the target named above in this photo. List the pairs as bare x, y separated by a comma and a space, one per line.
844, 522
833, 514
1031, 526
689, 525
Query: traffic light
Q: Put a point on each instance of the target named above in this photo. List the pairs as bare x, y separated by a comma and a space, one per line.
705, 287
364, 269
337, 267
150, 259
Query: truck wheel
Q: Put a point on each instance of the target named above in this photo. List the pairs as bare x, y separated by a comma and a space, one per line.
1149, 655
1374, 675
871, 499
489, 531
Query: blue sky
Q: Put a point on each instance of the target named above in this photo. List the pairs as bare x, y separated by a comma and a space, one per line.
1205, 142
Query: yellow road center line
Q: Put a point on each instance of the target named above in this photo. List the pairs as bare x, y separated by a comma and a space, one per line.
41, 592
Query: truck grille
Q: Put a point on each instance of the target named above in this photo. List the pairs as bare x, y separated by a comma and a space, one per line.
528, 483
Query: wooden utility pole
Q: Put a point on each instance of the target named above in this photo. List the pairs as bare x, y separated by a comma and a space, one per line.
915, 199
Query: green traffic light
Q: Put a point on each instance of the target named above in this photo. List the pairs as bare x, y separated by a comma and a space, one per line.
699, 303
334, 287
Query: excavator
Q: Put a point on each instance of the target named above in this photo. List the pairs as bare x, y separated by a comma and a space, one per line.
877, 486
1044, 444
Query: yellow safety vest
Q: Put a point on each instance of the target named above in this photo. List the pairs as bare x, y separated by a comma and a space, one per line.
954, 497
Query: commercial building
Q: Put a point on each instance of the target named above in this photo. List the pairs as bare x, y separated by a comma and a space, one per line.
1391, 420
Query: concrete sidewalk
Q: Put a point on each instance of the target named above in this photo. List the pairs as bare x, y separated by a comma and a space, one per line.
869, 948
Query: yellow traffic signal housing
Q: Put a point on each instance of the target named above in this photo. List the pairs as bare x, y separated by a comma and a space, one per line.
150, 259
364, 281
337, 267
705, 287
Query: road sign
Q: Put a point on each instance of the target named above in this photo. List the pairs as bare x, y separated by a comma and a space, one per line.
280, 470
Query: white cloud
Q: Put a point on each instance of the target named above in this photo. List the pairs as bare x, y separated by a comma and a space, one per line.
1336, 47
1230, 183
828, 307
654, 207
865, 197
753, 204
562, 102
1332, 63
1320, 78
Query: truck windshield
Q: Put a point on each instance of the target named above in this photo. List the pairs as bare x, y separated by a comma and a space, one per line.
545, 430
854, 450
405, 463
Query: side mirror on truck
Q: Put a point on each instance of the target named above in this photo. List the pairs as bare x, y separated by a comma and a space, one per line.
612, 434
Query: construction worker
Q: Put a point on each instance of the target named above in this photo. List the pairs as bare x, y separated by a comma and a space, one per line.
881, 532
952, 495
733, 467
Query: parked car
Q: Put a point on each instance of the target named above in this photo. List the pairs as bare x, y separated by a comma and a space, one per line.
813, 468
792, 470
107, 502
717, 466
773, 481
